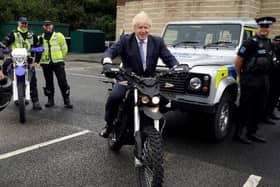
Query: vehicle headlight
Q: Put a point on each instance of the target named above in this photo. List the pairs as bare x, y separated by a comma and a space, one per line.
155, 100
145, 99
195, 83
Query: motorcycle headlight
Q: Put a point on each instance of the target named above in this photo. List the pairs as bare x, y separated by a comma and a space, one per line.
145, 99
195, 83
19, 60
155, 100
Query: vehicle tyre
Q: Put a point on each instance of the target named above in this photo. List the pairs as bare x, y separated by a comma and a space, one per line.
21, 102
151, 173
223, 117
114, 141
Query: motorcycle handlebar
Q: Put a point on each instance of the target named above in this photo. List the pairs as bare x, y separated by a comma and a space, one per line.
37, 49
174, 70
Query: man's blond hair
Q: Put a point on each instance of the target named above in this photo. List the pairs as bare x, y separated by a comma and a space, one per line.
140, 18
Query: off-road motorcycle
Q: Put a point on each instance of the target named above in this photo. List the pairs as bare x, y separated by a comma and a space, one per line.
21, 78
140, 123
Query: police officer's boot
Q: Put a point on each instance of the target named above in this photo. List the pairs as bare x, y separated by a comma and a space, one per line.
240, 135
36, 105
50, 102
67, 103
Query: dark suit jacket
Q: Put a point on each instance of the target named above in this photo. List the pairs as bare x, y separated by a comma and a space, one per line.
128, 49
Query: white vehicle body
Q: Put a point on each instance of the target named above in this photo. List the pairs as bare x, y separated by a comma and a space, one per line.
209, 49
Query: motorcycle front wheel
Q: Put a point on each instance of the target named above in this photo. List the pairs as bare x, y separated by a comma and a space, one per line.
114, 141
21, 102
151, 173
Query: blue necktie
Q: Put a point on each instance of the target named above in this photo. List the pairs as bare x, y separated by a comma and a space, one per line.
141, 50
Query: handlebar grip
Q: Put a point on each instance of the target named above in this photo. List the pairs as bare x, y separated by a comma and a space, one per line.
37, 49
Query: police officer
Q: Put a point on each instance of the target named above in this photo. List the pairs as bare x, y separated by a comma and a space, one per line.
274, 86
23, 38
253, 64
52, 61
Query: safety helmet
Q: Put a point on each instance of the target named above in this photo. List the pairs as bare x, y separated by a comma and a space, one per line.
5, 92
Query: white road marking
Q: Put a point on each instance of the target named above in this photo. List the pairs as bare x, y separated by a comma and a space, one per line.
87, 76
40, 145
252, 181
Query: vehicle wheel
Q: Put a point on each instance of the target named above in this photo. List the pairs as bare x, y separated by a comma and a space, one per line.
151, 173
223, 117
114, 141
21, 103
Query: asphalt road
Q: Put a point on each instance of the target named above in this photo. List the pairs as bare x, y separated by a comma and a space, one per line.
61, 147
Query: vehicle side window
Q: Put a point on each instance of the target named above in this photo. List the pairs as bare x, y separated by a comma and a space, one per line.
247, 34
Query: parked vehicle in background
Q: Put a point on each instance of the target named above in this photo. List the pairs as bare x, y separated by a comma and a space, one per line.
209, 48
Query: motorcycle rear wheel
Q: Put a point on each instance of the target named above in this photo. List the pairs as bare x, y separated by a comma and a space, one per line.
21, 102
151, 173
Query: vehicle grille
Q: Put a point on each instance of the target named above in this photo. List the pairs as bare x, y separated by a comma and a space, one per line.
178, 80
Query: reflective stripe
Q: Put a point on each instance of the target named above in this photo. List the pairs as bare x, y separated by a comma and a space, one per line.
222, 73
225, 71
21, 43
58, 49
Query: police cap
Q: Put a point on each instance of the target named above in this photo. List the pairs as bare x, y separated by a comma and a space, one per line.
265, 20
23, 20
48, 22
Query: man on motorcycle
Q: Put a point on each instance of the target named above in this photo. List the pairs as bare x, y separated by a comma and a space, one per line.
22, 38
139, 52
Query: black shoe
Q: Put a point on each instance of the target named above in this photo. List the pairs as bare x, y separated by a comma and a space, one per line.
242, 139
256, 138
37, 106
67, 103
273, 116
50, 102
105, 132
268, 121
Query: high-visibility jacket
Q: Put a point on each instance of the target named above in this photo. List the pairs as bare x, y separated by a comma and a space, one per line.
55, 49
20, 42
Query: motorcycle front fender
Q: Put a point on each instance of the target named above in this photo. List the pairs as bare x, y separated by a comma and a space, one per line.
20, 71
152, 112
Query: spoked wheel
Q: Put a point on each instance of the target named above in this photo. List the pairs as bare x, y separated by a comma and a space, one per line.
151, 173
21, 103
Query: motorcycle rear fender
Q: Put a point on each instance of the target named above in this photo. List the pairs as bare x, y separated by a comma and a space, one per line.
152, 112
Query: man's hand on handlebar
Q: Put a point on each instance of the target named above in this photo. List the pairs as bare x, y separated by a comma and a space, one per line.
107, 70
2, 45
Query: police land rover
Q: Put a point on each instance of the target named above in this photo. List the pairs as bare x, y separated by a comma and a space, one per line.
209, 48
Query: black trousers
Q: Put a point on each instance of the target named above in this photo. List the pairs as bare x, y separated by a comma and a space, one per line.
274, 90
113, 102
59, 70
253, 99
8, 71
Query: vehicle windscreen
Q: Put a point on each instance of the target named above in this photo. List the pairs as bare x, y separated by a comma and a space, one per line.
203, 35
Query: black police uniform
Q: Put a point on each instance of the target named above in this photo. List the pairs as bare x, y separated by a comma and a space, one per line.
7, 64
254, 83
274, 77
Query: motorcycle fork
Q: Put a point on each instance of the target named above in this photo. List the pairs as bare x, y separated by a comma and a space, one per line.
137, 132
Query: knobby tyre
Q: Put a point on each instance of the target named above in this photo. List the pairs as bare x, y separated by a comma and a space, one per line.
151, 173
115, 141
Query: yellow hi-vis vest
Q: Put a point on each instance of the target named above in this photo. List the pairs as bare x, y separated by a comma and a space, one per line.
23, 43
58, 48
